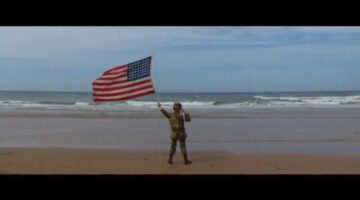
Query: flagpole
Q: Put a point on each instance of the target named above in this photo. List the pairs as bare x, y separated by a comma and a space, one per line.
157, 76
157, 100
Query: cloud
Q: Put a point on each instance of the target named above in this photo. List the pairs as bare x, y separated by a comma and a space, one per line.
43, 42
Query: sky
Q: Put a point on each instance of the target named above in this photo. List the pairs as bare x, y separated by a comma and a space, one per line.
187, 59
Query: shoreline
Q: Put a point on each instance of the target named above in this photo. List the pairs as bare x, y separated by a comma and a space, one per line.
115, 161
273, 131
245, 113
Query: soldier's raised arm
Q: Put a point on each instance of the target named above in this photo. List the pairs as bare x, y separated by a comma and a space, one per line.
163, 111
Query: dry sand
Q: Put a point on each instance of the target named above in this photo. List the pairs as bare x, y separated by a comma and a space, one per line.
111, 161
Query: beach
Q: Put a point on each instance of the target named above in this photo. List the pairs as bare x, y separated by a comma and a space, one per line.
97, 161
248, 141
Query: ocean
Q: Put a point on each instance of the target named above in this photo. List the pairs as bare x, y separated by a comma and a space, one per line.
35, 100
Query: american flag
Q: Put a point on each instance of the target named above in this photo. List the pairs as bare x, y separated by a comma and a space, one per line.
124, 82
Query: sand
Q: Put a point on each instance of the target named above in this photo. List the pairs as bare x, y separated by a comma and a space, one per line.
259, 141
115, 161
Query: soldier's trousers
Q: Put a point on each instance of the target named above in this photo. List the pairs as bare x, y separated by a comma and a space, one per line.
182, 146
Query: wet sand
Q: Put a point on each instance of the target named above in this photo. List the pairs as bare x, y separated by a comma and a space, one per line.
97, 161
300, 131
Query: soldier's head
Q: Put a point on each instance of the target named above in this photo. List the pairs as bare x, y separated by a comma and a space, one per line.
177, 107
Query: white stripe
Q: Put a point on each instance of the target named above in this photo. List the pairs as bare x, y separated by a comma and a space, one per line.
120, 84
111, 81
122, 90
124, 95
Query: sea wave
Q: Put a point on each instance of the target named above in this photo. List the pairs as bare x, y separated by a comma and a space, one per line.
255, 101
170, 103
318, 100
137, 105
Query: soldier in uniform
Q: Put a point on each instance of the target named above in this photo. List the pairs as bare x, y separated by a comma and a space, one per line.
176, 120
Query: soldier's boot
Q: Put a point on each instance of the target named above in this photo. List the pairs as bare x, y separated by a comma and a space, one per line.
186, 160
170, 161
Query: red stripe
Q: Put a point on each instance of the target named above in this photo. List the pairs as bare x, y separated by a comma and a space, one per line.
125, 98
111, 83
111, 78
125, 92
113, 69
122, 74
121, 87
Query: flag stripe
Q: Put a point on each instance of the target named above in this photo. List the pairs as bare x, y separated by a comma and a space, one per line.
135, 86
115, 70
120, 86
131, 90
124, 97
112, 77
109, 82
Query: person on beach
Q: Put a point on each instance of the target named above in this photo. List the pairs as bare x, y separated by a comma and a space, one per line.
176, 120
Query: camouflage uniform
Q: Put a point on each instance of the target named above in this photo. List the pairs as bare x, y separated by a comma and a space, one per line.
177, 131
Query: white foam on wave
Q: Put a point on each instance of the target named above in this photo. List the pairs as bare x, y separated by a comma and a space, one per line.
19, 103
321, 100
259, 101
82, 104
169, 103
278, 98
11, 102
127, 105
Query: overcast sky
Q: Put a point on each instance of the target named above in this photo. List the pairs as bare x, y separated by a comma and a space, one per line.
188, 59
